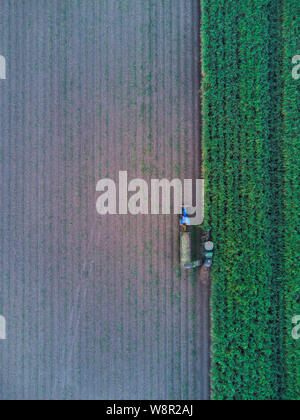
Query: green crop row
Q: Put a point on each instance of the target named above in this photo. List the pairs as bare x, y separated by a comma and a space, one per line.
291, 162
251, 164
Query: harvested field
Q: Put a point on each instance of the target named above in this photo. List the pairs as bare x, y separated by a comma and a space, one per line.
97, 308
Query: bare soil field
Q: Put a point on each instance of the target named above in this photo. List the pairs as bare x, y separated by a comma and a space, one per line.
97, 307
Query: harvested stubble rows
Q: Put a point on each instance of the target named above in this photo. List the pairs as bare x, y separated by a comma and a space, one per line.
96, 307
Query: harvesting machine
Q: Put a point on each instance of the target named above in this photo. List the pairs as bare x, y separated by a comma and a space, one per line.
186, 246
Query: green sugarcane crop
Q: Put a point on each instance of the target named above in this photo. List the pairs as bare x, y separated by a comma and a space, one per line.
251, 165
